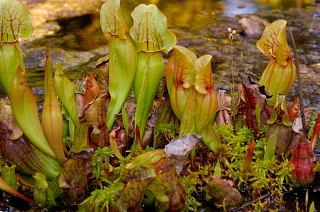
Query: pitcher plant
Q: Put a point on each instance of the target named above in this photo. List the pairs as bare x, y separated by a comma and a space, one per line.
192, 96
122, 58
151, 36
16, 23
280, 73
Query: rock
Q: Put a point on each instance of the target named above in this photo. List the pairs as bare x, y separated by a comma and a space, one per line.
45, 13
46, 29
31, 3
179, 149
52, 10
253, 26
35, 58
314, 57
316, 67
305, 70
241, 6
101, 51
72, 59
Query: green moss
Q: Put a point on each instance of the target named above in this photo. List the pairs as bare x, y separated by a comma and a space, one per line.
163, 133
100, 163
262, 176
101, 199
194, 184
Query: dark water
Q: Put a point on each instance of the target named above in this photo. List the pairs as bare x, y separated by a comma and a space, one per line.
191, 20
84, 33
235, 7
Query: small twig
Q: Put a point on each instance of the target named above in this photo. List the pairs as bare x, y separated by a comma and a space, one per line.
232, 67
299, 89
251, 202
232, 34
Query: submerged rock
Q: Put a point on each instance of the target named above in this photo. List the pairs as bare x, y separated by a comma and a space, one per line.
35, 58
47, 13
253, 26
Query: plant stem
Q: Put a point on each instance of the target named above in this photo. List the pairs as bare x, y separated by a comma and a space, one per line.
233, 97
232, 67
251, 202
299, 89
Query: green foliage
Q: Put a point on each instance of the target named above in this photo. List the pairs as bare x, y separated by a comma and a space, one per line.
151, 36
100, 163
312, 207
150, 68
280, 74
9, 175
10, 59
52, 122
194, 187
312, 125
164, 132
145, 173
149, 29
16, 22
111, 19
65, 90
192, 97
232, 146
101, 200
25, 111
152, 171
217, 169
42, 192
122, 59
264, 175
79, 142
317, 167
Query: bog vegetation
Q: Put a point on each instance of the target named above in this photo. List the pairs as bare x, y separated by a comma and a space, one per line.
146, 132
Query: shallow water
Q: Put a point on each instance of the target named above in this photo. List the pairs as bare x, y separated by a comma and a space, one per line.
84, 33
199, 24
